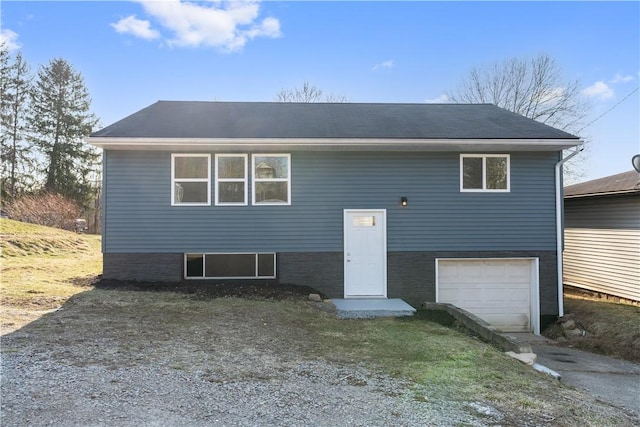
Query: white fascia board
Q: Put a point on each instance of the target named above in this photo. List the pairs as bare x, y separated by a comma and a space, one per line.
603, 194
330, 144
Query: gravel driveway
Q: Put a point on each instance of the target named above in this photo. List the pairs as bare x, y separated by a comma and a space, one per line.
172, 361
50, 392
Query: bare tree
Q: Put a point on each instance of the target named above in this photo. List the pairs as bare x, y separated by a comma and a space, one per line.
533, 88
307, 93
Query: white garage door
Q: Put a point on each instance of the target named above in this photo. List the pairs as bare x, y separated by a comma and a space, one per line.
499, 291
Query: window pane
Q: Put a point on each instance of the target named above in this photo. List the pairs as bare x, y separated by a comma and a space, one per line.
230, 265
266, 265
191, 167
191, 192
472, 172
271, 192
271, 167
231, 192
195, 267
496, 173
364, 221
231, 167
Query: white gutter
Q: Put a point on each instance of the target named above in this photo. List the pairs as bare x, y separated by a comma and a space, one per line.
145, 143
559, 227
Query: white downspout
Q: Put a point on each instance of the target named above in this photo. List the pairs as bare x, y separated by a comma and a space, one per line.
559, 227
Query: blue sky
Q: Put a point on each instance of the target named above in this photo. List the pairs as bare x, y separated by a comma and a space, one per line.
132, 54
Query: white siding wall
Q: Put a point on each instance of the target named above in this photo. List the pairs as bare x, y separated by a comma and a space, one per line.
602, 245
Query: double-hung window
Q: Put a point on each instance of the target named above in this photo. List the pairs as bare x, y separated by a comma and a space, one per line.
231, 179
271, 175
190, 179
484, 172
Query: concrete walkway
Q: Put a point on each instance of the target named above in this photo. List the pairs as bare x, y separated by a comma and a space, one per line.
614, 381
363, 308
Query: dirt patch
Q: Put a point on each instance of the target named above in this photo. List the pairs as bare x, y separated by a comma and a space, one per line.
189, 358
194, 356
211, 290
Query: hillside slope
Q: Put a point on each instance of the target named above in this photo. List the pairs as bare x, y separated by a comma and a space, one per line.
23, 239
40, 268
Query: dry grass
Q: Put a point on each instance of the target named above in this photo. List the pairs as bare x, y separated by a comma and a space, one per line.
231, 338
611, 328
41, 268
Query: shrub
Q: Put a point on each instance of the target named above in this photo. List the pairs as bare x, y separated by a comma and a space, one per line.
49, 209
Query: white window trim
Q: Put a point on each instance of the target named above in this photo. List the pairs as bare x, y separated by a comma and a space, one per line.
253, 179
207, 180
204, 255
243, 180
484, 188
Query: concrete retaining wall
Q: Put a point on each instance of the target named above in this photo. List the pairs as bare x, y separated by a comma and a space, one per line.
479, 327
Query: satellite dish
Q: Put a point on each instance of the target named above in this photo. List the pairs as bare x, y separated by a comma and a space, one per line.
636, 162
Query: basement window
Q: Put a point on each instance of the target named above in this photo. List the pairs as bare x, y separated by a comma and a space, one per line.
230, 266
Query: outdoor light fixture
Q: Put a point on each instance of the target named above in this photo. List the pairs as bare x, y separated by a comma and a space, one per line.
404, 201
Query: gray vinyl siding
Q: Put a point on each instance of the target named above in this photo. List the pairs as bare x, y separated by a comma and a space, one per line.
602, 245
615, 212
139, 217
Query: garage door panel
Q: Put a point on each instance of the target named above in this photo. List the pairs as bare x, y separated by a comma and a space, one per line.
448, 273
495, 296
450, 294
493, 272
519, 297
467, 271
507, 322
471, 296
497, 291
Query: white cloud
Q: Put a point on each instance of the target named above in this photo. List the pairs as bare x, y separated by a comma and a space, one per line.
386, 65
621, 79
599, 90
137, 27
226, 25
9, 39
441, 99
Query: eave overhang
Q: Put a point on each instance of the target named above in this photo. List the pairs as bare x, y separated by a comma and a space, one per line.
329, 144
605, 194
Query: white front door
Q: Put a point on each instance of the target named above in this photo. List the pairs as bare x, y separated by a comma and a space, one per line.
365, 253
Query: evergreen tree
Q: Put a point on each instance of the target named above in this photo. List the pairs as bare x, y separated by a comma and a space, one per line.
15, 151
60, 118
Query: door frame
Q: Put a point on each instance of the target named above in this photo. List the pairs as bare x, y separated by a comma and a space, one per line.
534, 286
345, 225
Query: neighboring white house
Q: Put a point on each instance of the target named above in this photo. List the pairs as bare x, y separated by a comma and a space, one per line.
602, 235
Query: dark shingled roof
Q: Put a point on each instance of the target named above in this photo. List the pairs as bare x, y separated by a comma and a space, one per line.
193, 119
622, 183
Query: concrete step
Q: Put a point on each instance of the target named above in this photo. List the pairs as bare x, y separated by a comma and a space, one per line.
366, 308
